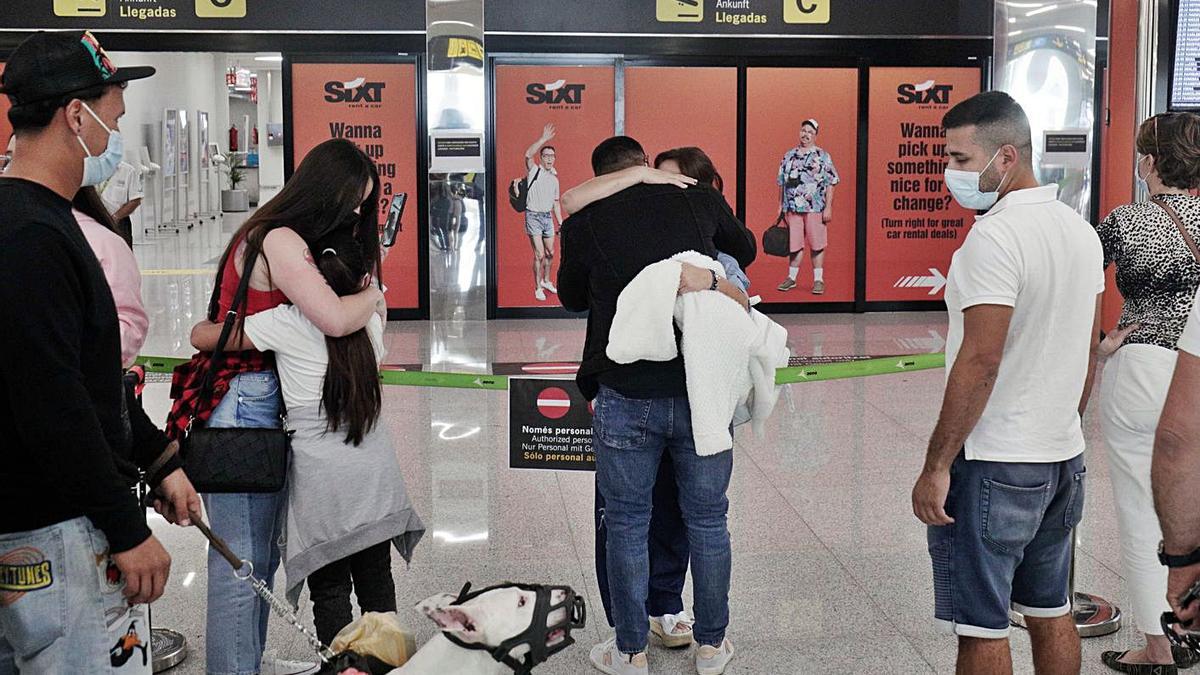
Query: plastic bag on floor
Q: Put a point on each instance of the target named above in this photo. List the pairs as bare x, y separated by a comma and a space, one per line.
377, 635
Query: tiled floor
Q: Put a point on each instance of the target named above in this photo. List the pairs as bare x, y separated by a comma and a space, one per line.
830, 569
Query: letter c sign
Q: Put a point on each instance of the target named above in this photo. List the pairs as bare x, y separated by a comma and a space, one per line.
806, 11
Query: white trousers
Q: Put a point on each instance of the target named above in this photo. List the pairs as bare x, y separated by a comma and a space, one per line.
1136, 380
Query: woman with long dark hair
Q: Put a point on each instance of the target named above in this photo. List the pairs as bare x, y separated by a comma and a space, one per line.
336, 187
346, 505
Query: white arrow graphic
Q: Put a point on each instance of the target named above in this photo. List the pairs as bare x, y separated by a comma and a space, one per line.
935, 283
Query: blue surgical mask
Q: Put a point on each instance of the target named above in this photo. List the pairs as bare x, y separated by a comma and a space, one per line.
964, 185
96, 170
1137, 171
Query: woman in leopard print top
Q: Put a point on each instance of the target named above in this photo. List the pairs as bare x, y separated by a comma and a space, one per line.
1158, 274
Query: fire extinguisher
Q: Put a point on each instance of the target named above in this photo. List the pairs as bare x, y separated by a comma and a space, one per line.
254, 137
233, 139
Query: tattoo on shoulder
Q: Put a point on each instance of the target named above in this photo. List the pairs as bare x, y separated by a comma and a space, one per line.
308, 258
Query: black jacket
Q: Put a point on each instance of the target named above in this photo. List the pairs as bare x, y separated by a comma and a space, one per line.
607, 244
63, 417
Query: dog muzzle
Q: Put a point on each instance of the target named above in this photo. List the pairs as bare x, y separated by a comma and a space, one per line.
538, 633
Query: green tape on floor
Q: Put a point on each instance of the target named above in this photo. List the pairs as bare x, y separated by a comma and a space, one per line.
840, 371
815, 373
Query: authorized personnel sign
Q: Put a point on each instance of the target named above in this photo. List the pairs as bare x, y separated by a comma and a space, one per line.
549, 426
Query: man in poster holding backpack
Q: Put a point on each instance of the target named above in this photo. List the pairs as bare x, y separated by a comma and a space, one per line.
542, 209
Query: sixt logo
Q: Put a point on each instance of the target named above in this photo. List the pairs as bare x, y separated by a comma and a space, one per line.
926, 93
354, 91
555, 94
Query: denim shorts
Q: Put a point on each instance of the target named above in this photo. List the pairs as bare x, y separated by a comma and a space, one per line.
1009, 545
539, 224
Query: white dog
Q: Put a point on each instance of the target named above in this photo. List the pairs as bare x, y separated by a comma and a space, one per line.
487, 619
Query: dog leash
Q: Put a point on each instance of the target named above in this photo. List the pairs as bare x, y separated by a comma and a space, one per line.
260, 588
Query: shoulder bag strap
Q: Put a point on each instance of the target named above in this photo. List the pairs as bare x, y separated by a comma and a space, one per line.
231, 316
1174, 215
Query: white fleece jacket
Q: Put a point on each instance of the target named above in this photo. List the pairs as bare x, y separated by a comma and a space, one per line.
729, 356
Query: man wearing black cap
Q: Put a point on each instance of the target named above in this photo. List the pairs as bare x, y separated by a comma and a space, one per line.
71, 531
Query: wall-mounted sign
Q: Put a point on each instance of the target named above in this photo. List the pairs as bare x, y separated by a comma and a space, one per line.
455, 152
885, 18
398, 16
1066, 149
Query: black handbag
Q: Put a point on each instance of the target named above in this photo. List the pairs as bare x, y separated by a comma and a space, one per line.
777, 239
234, 460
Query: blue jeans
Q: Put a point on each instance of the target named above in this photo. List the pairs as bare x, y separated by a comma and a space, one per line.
1009, 544
668, 548
236, 631
630, 437
54, 597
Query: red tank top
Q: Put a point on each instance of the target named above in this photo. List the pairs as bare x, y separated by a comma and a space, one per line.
256, 300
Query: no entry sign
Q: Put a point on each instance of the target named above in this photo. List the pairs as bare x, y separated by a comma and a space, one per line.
549, 425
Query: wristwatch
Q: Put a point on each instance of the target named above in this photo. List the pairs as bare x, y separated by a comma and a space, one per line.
1169, 560
714, 283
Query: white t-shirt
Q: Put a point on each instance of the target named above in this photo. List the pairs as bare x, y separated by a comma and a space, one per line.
124, 186
1033, 253
300, 353
1190, 340
543, 192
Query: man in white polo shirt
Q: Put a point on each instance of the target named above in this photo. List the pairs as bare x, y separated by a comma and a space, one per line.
1003, 484
1175, 473
541, 210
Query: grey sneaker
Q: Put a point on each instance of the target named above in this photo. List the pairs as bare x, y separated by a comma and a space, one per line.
787, 285
712, 660
818, 288
608, 659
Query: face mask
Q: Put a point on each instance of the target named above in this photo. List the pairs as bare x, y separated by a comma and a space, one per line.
96, 170
964, 185
1137, 171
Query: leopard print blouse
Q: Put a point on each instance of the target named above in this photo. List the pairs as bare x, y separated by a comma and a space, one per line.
1156, 271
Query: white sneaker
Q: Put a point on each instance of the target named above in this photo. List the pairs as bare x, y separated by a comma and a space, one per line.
675, 630
711, 660
540, 295
271, 665
550, 287
608, 659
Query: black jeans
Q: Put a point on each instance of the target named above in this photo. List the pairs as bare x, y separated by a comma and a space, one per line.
668, 545
369, 572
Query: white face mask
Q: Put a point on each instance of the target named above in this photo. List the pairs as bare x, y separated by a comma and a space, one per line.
96, 170
1137, 171
964, 185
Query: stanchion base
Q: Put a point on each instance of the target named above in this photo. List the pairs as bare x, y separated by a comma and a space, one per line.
169, 648
1094, 616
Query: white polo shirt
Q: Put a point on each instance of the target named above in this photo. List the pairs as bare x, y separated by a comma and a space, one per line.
543, 192
1190, 340
1033, 253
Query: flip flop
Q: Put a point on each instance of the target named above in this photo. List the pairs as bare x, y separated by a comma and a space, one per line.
1113, 660
664, 628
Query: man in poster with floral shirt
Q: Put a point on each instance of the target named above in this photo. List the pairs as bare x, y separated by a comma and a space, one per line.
807, 178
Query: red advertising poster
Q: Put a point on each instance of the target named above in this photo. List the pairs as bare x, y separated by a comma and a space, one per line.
373, 105
5, 127
778, 103
559, 113
675, 107
913, 224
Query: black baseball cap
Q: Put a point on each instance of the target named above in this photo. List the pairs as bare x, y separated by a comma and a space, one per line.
49, 65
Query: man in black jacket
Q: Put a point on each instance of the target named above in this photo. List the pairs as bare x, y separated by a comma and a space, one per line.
75, 549
641, 409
